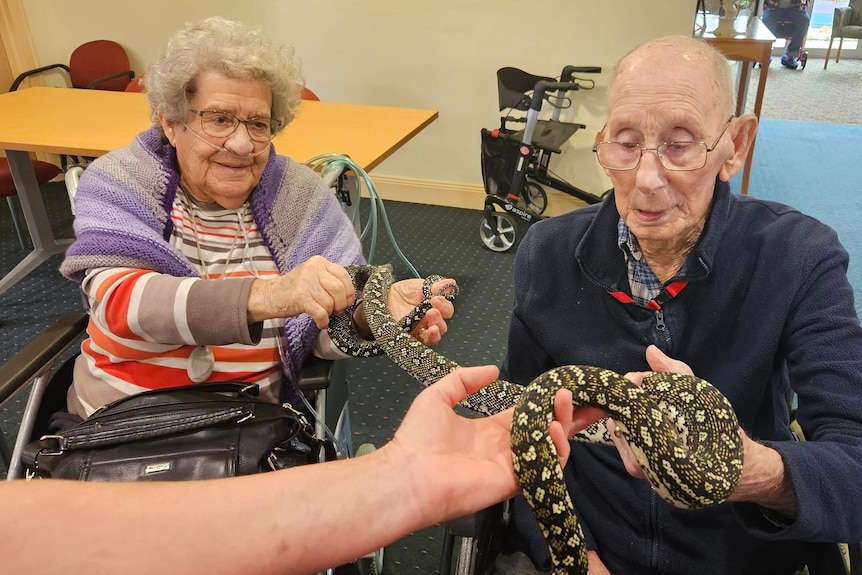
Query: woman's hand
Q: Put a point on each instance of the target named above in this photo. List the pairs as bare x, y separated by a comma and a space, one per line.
317, 287
406, 295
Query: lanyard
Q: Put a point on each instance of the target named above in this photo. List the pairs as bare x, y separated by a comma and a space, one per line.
665, 295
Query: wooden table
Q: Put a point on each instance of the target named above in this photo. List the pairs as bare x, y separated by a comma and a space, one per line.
93, 122
751, 44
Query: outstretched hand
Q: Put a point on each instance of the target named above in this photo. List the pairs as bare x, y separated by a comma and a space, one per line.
460, 465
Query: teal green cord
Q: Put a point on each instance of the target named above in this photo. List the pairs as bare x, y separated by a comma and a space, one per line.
326, 162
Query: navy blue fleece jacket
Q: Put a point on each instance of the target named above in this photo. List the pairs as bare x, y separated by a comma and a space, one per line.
768, 308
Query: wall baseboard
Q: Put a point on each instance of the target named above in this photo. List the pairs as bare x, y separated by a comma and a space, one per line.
455, 195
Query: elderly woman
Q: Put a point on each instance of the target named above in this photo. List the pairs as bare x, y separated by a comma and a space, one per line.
673, 272
205, 256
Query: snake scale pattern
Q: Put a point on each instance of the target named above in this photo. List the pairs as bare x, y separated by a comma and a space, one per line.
683, 431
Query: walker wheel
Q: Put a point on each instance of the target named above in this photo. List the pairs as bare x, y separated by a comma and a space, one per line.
503, 237
536, 198
803, 59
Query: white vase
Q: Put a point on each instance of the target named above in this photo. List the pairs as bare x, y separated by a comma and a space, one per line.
727, 16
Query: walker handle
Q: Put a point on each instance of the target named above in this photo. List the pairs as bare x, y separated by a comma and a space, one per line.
569, 71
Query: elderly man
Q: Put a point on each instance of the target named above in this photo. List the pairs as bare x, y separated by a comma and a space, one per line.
673, 272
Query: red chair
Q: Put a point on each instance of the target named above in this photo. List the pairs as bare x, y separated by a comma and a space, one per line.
44, 173
309, 95
136, 85
96, 65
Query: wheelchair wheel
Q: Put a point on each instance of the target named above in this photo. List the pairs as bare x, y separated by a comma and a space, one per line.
371, 564
503, 237
536, 198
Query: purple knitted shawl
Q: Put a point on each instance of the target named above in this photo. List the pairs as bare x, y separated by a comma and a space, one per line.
122, 209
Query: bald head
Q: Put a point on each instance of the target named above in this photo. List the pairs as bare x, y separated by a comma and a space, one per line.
682, 64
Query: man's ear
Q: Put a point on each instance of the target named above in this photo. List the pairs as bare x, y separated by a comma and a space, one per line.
742, 134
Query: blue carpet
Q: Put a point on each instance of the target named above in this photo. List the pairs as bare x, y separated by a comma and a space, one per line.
817, 169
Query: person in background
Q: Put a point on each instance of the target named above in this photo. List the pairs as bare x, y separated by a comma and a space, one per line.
439, 465
205, 256
674, 272
788, 19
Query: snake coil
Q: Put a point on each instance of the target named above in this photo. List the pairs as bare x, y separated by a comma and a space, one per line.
682, 430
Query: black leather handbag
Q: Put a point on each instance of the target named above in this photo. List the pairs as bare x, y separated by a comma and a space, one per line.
198, 432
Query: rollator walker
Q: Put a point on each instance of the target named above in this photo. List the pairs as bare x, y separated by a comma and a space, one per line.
515, 162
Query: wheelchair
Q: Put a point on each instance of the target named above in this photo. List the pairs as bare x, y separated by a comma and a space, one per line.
45, 366
515, 162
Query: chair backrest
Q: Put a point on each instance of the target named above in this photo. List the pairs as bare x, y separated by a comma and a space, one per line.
856, 13
98, 59
309, 95
136, 85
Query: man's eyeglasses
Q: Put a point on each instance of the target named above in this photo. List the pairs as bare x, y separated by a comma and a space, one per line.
222, 124
675, 156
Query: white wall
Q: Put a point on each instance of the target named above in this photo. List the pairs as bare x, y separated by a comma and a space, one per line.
438, 54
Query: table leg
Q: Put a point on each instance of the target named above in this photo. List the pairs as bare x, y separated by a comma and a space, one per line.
38, 225
742, 90
758, 103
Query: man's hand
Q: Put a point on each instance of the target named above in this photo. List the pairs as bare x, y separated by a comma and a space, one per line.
658, 361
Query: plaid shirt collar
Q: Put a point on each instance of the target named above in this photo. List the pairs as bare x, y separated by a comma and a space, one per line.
642, 281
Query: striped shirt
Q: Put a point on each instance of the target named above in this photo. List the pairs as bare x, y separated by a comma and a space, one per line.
144, 325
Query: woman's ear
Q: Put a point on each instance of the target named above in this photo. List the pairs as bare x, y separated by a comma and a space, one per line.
742, 134
168, 129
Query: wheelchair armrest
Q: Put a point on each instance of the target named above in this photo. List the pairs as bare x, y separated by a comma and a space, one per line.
476, 524
24, 75
317, 373
38, 355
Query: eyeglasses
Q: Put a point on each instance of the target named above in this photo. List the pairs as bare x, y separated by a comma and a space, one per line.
222, 124
675, 156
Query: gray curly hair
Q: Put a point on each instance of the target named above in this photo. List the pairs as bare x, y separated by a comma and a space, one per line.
228, 48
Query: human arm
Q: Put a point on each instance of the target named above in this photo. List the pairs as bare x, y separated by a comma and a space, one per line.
132, 302
320, 289
274, 522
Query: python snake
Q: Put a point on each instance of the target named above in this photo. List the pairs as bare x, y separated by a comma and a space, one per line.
683, 431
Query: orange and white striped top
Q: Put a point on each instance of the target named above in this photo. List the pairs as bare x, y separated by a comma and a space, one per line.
144, 325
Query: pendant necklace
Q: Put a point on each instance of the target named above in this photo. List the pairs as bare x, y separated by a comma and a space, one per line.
202, 359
